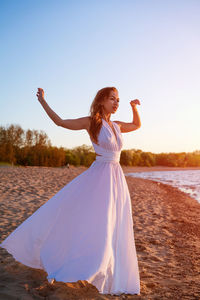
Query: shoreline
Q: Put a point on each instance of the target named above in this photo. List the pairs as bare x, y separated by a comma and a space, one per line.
166, 229
188, 191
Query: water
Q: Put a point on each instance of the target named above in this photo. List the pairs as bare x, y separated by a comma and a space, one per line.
187, 181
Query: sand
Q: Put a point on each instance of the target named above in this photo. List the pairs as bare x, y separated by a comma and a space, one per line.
166, 227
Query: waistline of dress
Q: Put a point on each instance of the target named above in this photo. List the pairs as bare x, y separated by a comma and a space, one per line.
109, 157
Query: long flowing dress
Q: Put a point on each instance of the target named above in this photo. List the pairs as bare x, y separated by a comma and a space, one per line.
85, 231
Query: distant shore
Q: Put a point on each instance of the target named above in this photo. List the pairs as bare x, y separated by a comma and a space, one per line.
166, 229
128, 169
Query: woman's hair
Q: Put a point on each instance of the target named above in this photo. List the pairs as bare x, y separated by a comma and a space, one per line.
96, 112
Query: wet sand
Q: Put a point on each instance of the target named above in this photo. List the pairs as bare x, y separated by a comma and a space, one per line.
166, 228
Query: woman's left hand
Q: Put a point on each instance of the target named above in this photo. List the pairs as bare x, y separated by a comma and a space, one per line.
135, 102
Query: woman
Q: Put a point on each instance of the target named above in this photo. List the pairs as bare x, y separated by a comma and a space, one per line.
85, 231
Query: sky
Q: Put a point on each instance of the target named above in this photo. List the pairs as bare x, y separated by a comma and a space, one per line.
148, 49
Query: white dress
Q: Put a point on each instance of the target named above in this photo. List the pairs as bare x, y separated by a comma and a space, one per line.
85, 231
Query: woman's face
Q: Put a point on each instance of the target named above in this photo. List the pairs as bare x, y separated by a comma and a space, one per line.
111, 103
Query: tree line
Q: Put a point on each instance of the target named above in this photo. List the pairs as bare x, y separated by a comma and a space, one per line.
33, 148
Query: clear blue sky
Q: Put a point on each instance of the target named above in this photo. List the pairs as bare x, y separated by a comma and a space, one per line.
148, 49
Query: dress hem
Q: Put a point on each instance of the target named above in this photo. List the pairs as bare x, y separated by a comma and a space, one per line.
49, 279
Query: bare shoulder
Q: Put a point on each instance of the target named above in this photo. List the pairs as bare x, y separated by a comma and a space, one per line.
118, 123
84, 122
126, 127
87, 121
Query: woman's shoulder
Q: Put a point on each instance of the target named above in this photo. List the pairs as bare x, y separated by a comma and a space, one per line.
87, 121
119, 123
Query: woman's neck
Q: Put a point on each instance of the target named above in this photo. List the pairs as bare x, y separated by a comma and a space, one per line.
106, 117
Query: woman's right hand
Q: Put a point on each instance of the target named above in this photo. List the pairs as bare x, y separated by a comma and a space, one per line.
40, 95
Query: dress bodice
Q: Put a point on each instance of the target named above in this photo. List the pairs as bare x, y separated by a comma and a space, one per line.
110, 146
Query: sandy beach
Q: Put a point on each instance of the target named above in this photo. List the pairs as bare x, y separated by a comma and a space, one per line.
166, 228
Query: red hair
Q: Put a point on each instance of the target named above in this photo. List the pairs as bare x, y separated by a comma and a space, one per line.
96, 112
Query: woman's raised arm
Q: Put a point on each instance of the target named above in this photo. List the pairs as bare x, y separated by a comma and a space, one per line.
127, 127
73, 124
